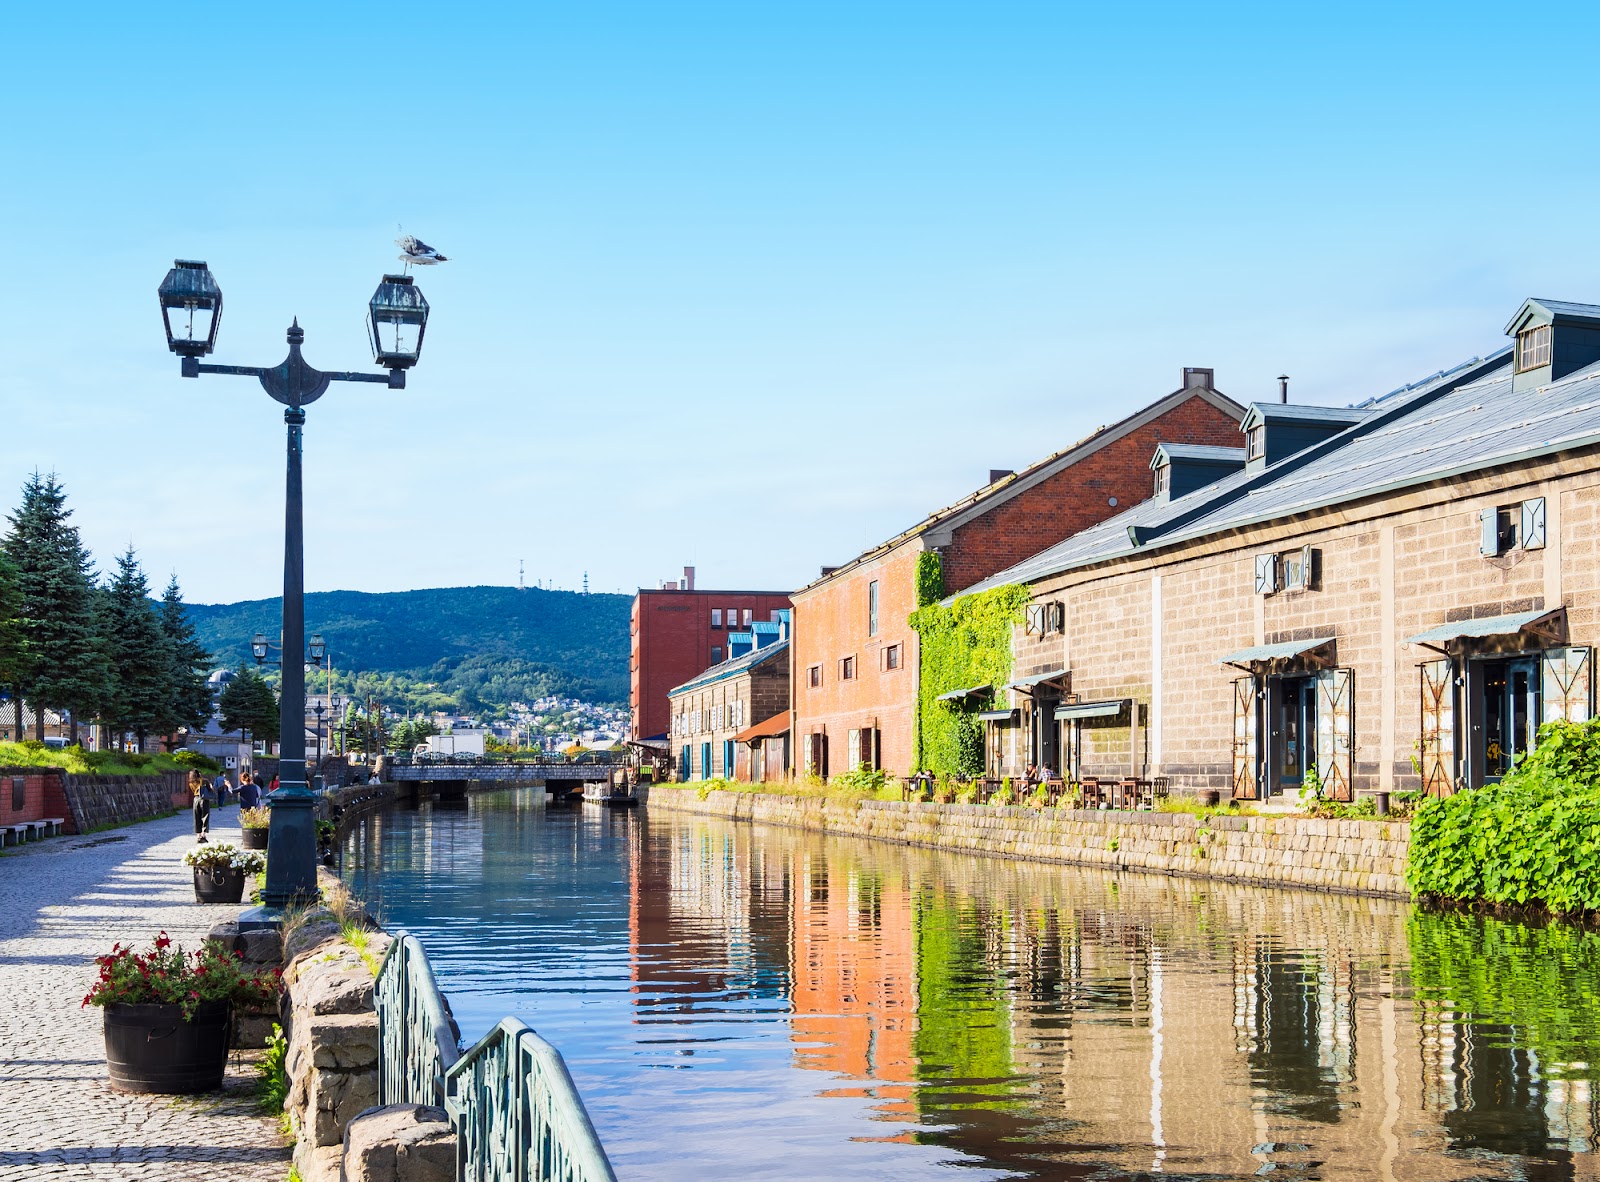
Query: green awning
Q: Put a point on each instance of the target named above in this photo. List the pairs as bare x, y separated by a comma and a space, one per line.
1091, 710
995, 715
954, 695
1262, 653
1034, 679
1486, 626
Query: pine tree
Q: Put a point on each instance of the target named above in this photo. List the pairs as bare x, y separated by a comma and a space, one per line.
190, 701
56, 579
13, 643
248, 704
141, 658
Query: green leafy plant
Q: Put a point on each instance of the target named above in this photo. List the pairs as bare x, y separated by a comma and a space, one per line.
962, 645
929, 578
259, 817
1531, 839
166, 975
272, 1083
221, 855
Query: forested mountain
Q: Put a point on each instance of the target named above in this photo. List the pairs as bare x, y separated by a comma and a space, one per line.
480, 646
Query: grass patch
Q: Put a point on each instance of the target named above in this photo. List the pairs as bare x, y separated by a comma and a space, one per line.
850, 788
1192, 806
32, 753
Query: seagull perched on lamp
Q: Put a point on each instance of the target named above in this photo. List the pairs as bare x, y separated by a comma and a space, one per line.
414, 251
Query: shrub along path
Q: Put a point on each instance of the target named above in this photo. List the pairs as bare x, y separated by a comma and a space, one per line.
63, 902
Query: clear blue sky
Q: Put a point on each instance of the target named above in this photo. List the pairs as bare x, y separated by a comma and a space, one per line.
748, 286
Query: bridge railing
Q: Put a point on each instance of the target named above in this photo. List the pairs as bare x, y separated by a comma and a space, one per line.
516, 1113
499, 758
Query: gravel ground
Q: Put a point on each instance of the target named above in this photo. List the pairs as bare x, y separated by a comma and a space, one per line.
64, 901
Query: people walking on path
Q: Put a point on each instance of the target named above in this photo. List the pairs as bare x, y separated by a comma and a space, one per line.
220, 784
249, 791
66, 901
204, 796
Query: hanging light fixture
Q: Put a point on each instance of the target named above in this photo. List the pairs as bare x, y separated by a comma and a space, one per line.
191, 308
399, 317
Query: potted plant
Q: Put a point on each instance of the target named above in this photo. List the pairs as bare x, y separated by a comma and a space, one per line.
167, 1015
255, 823
220, 870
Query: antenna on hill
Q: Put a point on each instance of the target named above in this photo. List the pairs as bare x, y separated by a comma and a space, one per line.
586, 582
521, 582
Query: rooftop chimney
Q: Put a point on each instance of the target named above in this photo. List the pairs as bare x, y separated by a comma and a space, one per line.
688, 578
828, 570
1283, 387
1194, 377
996, 475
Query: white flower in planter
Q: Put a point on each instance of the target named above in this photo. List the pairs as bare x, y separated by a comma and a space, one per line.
224, 856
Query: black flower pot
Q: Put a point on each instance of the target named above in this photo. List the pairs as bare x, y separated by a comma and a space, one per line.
255, 839
150, 1048
218, 884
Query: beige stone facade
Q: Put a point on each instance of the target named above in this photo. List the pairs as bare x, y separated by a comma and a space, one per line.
707, 714
1155, 629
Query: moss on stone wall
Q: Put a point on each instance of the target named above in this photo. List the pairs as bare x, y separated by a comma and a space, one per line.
964, 644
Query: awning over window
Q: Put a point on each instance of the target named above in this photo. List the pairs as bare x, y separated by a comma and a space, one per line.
1486, 626
1091, 710
778, 724
954, 695
995, 715
1034, 679
1261, 654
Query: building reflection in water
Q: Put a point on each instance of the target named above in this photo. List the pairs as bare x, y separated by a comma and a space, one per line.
1060, 1023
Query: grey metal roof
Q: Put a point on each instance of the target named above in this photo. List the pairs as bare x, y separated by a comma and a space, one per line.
994, 715
1462, 420
952, 695
1556, 309
1035, 678
1198, 451
731, 667
1090, 709
1302, 412
1262, 653
1488, 626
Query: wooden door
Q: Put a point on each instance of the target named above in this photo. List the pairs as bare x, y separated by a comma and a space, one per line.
1336, 732
1245, 770
1437, 745
1567, 684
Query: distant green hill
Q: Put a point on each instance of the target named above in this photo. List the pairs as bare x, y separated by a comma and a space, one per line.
483, 646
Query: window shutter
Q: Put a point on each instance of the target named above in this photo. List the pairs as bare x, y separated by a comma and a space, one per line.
1266, 575
1335, 732
808, 756
1533, 524
1567, 684
853, 749
1244, 738
1438, 740
1489, 519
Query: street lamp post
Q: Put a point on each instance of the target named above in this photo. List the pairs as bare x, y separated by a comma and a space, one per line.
191, 309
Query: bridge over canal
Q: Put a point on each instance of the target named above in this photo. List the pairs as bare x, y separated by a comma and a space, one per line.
455, 773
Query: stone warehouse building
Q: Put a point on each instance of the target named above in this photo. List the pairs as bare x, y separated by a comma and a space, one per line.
855, 658
1393, 595
716, 718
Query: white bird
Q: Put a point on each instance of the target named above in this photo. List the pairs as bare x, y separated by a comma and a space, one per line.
414, 250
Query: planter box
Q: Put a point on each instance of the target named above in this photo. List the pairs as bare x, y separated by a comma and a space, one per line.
254, 839
218, 885
150, 1048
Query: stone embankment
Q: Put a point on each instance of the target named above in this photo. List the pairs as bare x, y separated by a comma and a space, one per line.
1358, 857
85, 803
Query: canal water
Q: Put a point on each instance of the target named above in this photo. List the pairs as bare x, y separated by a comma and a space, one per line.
755, 1003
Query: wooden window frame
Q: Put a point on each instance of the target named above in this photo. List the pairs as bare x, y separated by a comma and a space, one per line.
847, 668
716, 617
1534, 347
1163, 479
891, 658
872, 608
814, 677
1255, 442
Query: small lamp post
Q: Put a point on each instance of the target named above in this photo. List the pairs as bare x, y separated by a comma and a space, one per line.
191, 312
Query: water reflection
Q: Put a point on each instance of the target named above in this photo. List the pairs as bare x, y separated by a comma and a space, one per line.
770, 1003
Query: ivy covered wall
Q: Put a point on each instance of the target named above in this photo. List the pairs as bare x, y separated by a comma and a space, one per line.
965, 644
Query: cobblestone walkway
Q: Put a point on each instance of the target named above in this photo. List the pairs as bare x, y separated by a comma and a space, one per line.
63, 902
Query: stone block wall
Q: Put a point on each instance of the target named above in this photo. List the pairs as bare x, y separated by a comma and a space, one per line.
1359, 857
107, 800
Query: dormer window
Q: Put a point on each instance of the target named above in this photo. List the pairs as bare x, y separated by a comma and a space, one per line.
1533, 348
1256, 442
1163, 479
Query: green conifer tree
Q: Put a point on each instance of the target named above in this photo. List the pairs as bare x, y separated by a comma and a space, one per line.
190, 701
13, 642
141, 658
248, 703
56, 578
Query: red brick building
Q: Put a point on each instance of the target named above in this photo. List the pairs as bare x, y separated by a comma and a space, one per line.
854, 662
677, 633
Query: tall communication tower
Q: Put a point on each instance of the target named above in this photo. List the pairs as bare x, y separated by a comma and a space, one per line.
521, 582
586, 582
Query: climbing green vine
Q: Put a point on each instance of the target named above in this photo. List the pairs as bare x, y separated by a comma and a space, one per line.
930, 577
965, 644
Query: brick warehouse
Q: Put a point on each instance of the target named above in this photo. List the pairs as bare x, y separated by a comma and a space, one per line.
855, 660
676, 633
710, 714
1393, 595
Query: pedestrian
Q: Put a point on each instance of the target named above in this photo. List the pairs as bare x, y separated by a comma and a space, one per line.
249, 793
204, 793
220, 786
273, 787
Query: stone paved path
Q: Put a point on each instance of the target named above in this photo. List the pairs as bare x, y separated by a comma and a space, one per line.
62, 902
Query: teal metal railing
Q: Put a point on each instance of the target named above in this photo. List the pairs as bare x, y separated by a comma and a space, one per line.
516, 1113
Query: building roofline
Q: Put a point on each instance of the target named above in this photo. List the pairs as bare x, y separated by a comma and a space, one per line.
954, 516
708, 591
731, 667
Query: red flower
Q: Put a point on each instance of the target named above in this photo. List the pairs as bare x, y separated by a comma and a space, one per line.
163, 940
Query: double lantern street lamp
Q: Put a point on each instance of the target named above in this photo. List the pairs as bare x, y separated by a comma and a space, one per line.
191, 308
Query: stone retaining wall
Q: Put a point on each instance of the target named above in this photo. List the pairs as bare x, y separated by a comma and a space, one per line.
115, 800
1359, 857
